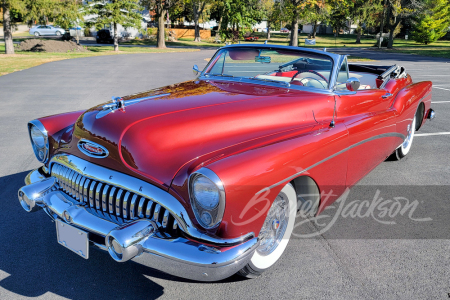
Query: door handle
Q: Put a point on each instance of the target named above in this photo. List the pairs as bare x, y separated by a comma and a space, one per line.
387, 95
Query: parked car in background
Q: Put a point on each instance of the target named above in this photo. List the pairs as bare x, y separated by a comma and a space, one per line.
104, 36
284, 30
203, 179
46, 30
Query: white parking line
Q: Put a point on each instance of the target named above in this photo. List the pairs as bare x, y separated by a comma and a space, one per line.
436, 87
440, 102
435, 133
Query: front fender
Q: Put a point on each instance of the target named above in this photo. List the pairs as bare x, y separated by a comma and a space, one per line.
58, 128
253, 178
55, 123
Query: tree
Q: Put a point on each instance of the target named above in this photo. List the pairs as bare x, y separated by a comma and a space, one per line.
364, 13
290, 11
294, 5
68, 13
197, 9
317, 12
398, 10
8, 22
160, 7
240, 13
433, 24
39, 11
105, 13
339, 15
217, 12
268, 8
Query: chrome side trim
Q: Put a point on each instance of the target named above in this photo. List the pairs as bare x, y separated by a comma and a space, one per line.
392, 134
144, 189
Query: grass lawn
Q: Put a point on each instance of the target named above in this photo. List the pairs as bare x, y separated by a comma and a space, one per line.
21, 33
23, 60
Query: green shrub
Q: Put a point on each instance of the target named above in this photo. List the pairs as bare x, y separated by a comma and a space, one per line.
154, 31
87, 31
424, 31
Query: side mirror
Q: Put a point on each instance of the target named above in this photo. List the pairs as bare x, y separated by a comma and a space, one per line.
352, 84
195, 70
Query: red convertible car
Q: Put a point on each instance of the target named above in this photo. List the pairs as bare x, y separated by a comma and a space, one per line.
204, 179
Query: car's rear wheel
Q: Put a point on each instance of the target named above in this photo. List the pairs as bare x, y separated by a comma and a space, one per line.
58, 33
405, 147
275, 233
36, 33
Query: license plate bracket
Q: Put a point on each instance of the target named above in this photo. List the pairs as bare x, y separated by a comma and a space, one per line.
73, 238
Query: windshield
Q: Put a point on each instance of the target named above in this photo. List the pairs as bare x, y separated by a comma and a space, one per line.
272, 65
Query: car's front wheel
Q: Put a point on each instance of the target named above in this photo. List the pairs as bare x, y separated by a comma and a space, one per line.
36, 33
275, 233
58, 33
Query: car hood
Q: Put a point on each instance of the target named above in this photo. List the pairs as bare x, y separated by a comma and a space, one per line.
181, 124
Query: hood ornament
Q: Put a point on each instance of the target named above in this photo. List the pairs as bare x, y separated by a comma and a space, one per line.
118, 104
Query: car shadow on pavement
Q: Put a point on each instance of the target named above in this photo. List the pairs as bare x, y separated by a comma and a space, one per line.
35, 264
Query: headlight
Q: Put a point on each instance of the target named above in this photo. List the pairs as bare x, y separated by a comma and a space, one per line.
207, 197
39, 140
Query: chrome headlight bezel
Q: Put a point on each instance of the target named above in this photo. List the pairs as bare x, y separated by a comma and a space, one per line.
36, 148
216, 212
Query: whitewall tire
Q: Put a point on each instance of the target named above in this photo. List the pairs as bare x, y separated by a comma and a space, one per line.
275, 233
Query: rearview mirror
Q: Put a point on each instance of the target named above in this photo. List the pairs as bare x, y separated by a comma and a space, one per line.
352, 84
263, 59
195, 70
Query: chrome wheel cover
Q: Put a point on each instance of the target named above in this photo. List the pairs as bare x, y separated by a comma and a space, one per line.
410, 135
274, 226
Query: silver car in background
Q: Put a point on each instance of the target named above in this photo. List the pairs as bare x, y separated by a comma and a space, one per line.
47, 30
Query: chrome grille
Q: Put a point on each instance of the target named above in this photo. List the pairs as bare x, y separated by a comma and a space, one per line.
112, 202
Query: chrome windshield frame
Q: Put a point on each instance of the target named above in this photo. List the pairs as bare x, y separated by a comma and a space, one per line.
336, 59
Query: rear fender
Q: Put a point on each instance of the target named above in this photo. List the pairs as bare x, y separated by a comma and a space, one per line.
407, 101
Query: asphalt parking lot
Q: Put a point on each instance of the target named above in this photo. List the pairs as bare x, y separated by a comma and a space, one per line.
368, 260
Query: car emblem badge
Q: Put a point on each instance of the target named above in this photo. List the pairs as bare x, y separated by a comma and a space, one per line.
92, 149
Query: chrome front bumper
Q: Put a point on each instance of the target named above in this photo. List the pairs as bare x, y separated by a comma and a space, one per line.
180, 256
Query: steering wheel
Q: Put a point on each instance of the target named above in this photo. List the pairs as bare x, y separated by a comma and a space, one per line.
310, 71
310, 78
